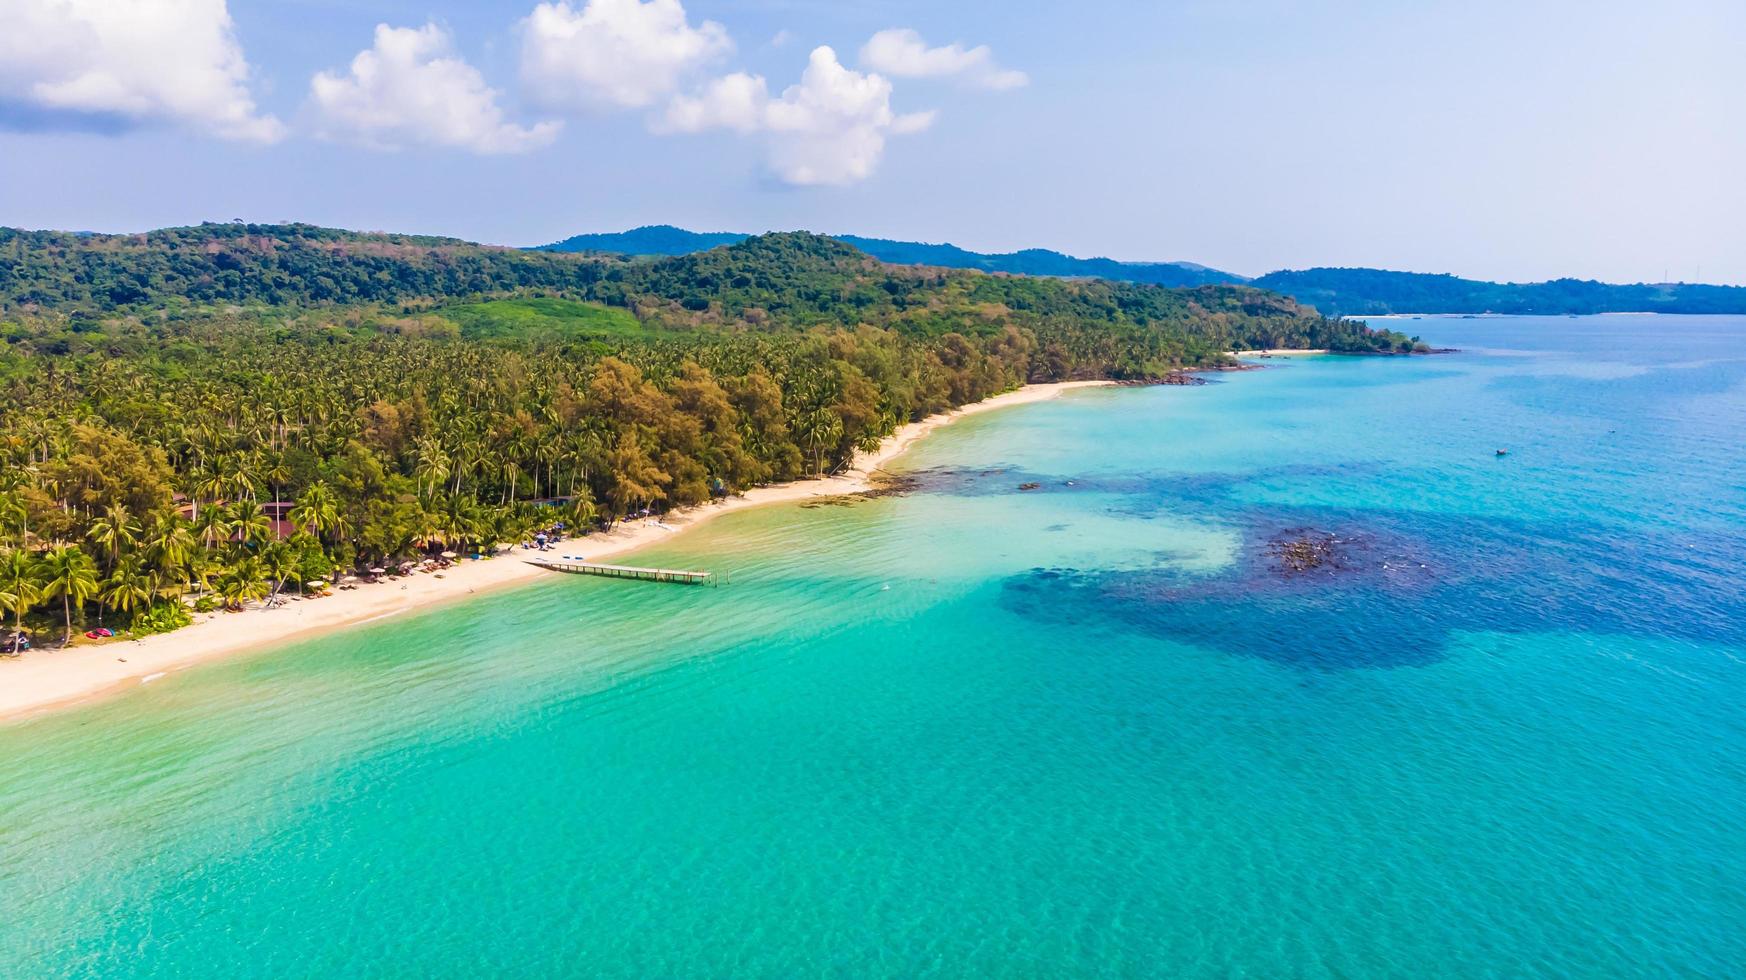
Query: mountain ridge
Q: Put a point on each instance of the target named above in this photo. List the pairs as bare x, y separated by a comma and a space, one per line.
668, 240
1333, 291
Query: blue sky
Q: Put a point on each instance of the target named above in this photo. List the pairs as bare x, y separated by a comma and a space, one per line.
1516, 140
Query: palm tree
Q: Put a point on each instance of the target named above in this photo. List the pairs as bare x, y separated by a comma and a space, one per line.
202, 566
581, 512
275, 471
461, 520
114, 533
280, 564
243, 581
129, 588
169, 544
213, 526
510, 469
433, 465
316, 510
817, 429
468, 453
14, 514
239, 477
18, 590
208, 485
71, 574
249, 523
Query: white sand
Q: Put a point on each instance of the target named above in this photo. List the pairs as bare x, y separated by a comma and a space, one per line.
1280, 352
47, 678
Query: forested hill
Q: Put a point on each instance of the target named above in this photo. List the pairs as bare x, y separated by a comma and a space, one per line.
660, 240
1334, 292
667, 240
272, 265
1374, 292
786, 280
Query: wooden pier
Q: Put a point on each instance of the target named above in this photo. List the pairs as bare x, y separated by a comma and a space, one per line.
576, 566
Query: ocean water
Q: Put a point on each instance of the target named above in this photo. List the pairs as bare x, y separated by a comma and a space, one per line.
1083, 729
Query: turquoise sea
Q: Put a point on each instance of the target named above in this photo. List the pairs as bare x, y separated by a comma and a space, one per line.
1086, 729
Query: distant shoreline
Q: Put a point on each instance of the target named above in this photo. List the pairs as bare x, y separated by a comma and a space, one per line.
47, 679
1516, 316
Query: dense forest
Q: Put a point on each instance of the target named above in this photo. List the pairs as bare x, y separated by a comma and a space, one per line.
209, 416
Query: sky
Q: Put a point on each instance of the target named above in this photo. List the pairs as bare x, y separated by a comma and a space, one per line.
1515, 141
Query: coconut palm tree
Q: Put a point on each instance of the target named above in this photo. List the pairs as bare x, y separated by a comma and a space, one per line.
13, 514
241, 582
70, 574
19, 590
275, 470
168, 544
201, 568
818, 429
432, 467
208, 484
129, 588
249, 523
240, 477
316, 510
212, 525
114, 533
279, 563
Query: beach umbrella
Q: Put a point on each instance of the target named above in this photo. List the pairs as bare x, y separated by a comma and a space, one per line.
450, 554
349, 578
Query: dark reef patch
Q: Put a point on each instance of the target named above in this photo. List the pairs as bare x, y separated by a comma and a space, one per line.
890, 485
1387, 588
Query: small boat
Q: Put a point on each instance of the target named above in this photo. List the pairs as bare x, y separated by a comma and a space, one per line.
1502, 452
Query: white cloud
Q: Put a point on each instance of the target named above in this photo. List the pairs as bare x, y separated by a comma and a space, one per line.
902, 53
828, 129
129, 62
737, 102
410, 89
613, 53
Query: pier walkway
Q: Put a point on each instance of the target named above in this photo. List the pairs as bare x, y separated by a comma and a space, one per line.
577, 566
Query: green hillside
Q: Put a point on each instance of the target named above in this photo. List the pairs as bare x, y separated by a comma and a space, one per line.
771, 282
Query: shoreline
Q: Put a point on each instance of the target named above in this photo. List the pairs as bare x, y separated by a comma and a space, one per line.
48, 679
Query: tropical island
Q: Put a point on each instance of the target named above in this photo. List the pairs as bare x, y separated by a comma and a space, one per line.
203, 418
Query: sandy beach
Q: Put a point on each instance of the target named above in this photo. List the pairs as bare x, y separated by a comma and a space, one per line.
46, 678
1280, 352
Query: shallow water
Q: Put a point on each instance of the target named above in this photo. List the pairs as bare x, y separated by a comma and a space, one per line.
1086, 728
